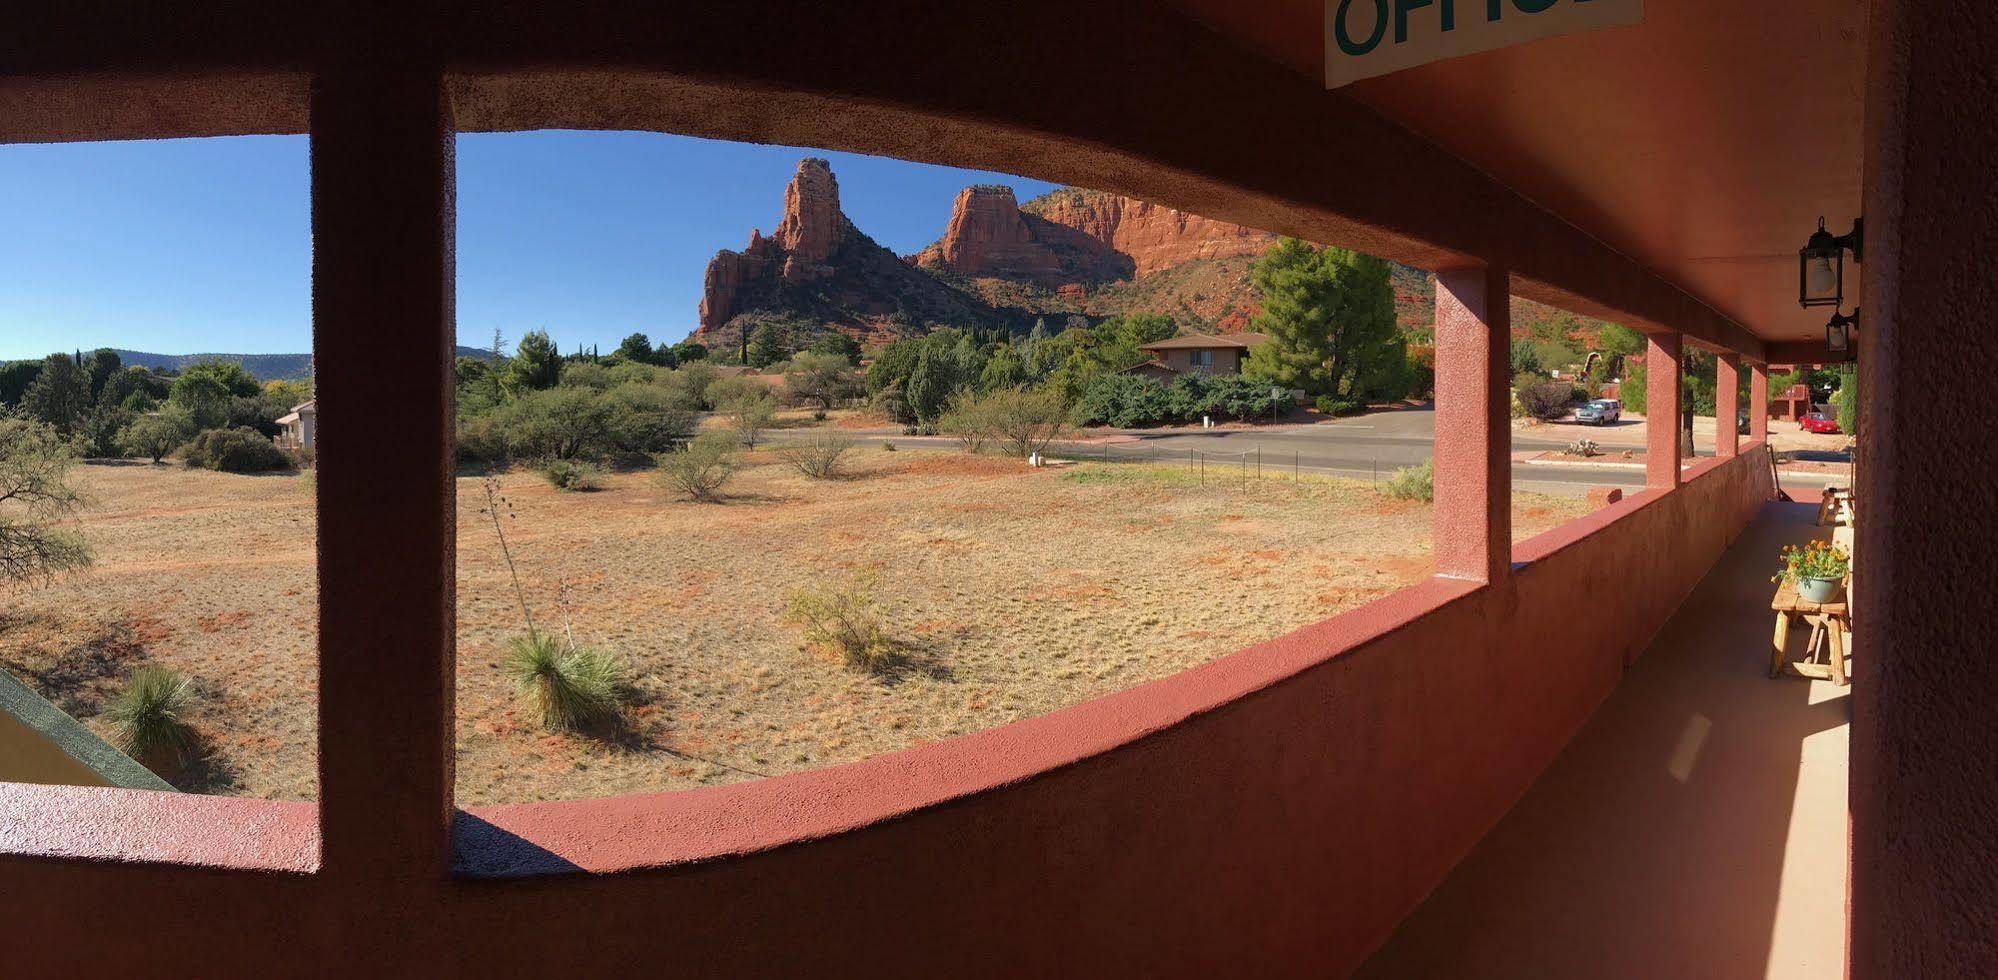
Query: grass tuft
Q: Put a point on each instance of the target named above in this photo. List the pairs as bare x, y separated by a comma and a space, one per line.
573, 690
147, 719
1414, 483
572, 474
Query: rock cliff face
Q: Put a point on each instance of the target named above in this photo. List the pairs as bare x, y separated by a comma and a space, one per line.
1072, 237
1153, 236
820, 270
988, 236
813, 224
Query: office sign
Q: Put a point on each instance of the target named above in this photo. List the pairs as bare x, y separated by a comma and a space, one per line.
1364, 38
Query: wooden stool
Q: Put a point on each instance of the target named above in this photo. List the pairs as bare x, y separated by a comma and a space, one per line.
1830, 624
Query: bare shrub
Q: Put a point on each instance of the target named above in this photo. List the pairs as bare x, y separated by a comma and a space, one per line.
819, 455
749, 413
36, 500
968, 420
700, 468
1026, 420
1546, 399
842, 620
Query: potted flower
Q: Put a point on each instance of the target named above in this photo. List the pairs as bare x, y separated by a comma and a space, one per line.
1818, 569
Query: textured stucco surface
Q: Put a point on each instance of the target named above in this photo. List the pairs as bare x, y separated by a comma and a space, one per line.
1925, 715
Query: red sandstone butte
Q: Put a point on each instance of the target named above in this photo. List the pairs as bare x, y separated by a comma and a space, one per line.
1154, 236
987, 236
807, 237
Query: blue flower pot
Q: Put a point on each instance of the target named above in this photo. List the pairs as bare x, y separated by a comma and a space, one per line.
1819, 590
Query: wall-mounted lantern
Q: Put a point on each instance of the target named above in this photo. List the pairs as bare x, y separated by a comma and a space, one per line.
1821, 266
1838, 331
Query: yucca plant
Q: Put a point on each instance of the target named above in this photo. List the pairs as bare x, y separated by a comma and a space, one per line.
573, 690
147, 718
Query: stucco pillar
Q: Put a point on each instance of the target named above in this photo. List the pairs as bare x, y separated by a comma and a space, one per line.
1661, 411
1924, 735
1472, 527
1758, 402
1727, 405
382, 266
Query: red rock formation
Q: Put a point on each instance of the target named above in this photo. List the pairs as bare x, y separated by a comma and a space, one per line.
812, 225
988, 237
727, 271
817, 267
806, 239
1154, 236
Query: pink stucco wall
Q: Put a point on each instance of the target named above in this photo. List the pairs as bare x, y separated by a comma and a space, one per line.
1275, 812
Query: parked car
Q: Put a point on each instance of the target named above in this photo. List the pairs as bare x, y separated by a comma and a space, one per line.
1820, 423
1601, 411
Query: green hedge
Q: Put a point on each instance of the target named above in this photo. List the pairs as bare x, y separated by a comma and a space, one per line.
1125, 400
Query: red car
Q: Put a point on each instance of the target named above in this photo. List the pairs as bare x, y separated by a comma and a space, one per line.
1820, 423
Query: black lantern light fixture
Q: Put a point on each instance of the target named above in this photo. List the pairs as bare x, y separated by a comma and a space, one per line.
1838, 331
1821, 265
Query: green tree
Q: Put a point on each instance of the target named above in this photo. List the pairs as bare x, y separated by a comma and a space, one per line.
1615, 338
931, 384
15, 377
837, 344
238, 382
60, 396
101, 365
1003, 369
1329, 317
823, 379
38, 501
203, 396
536, 364
1846, 400
1036, 353
766, 346
154, 436
636, 348
688, 350
893, 364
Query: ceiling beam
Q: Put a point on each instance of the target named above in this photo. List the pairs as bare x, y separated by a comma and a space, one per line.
1120, 95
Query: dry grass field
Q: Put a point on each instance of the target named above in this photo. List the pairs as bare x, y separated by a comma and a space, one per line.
1011, 592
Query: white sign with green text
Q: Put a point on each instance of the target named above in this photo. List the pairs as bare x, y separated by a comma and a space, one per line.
1364, 38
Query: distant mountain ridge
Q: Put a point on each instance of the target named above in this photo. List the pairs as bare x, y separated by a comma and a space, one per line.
268, 367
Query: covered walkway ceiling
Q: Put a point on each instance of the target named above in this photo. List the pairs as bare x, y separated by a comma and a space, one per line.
1704, 143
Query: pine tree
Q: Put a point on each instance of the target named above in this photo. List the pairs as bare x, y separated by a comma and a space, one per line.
536, 364
1329, 317
59, 396
931, 384
765, 347
1034, 352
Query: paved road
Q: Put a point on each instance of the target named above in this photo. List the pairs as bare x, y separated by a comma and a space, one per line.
1372, 447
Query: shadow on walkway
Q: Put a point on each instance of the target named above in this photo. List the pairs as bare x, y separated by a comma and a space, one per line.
1695, 827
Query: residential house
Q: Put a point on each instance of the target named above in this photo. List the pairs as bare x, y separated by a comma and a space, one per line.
1197, 354
300, 427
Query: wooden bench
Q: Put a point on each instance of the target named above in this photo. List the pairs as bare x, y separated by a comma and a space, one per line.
1831, 625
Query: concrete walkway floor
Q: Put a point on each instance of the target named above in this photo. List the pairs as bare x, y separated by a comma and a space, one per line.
1695, 827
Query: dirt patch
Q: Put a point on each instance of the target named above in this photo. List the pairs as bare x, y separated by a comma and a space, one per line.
1009, 592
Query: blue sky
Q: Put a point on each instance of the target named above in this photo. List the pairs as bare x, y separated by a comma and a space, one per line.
192, 246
